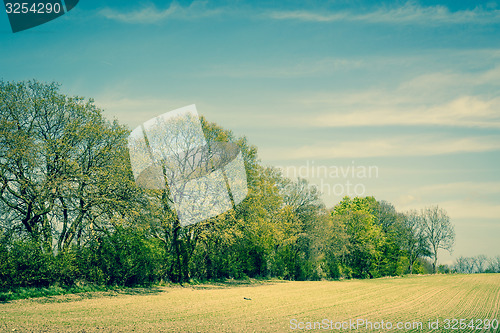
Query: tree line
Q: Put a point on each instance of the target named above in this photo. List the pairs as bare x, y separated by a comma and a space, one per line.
477, 264
71, 212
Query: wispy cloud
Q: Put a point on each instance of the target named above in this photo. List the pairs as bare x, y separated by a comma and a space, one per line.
284, 69
464, 111
462, 200
467, 192
409, 13
468, 189
377, 108
134, 111
473, 210
438, 99
459, 209
460, 95
152, 14
422, 145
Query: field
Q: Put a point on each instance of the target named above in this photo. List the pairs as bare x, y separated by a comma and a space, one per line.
272, 306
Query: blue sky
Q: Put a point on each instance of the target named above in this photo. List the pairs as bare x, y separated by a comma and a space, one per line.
410, 87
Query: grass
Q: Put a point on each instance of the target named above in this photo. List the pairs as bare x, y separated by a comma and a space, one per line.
262, 306
32, 292
88, 290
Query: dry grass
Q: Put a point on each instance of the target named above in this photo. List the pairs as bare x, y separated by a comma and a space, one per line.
219, 308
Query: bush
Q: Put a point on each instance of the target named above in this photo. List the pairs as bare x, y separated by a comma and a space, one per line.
402, 266
124, 258
29, 266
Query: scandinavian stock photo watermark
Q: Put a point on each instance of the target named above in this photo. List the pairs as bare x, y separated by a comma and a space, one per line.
438, 325
333, 180
171, 153
355, 324
27, 14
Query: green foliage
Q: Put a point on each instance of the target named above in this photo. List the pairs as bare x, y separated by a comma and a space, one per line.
366, 238
423, 266
71, 214
54, 290
402, 266
124, 257
29, 265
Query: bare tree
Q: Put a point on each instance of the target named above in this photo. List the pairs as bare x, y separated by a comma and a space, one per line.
412, 237
477, 264
464, 265
438, 231
480, 263
494, 264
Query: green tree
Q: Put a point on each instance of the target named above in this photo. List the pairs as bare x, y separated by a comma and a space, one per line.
389, 220
334, 245
183, 244
63, 167
366, 239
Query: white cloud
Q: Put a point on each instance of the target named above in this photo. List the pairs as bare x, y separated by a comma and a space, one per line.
462, 209
134, 111
464, 200
395, 146
152, 14
406, 200
303, 15
469, 189
430, 83
319, 67
409, 13
465, 111
448, 98
444, 99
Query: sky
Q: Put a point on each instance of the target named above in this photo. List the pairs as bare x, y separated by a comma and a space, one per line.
395, 99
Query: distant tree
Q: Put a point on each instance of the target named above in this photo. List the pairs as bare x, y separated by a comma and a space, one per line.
412, 238
464, 265
438, 231
477, 264
480, 263
335, 246
443, 269
423, 266
494, 265
302, 209
393, 256
385, 214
